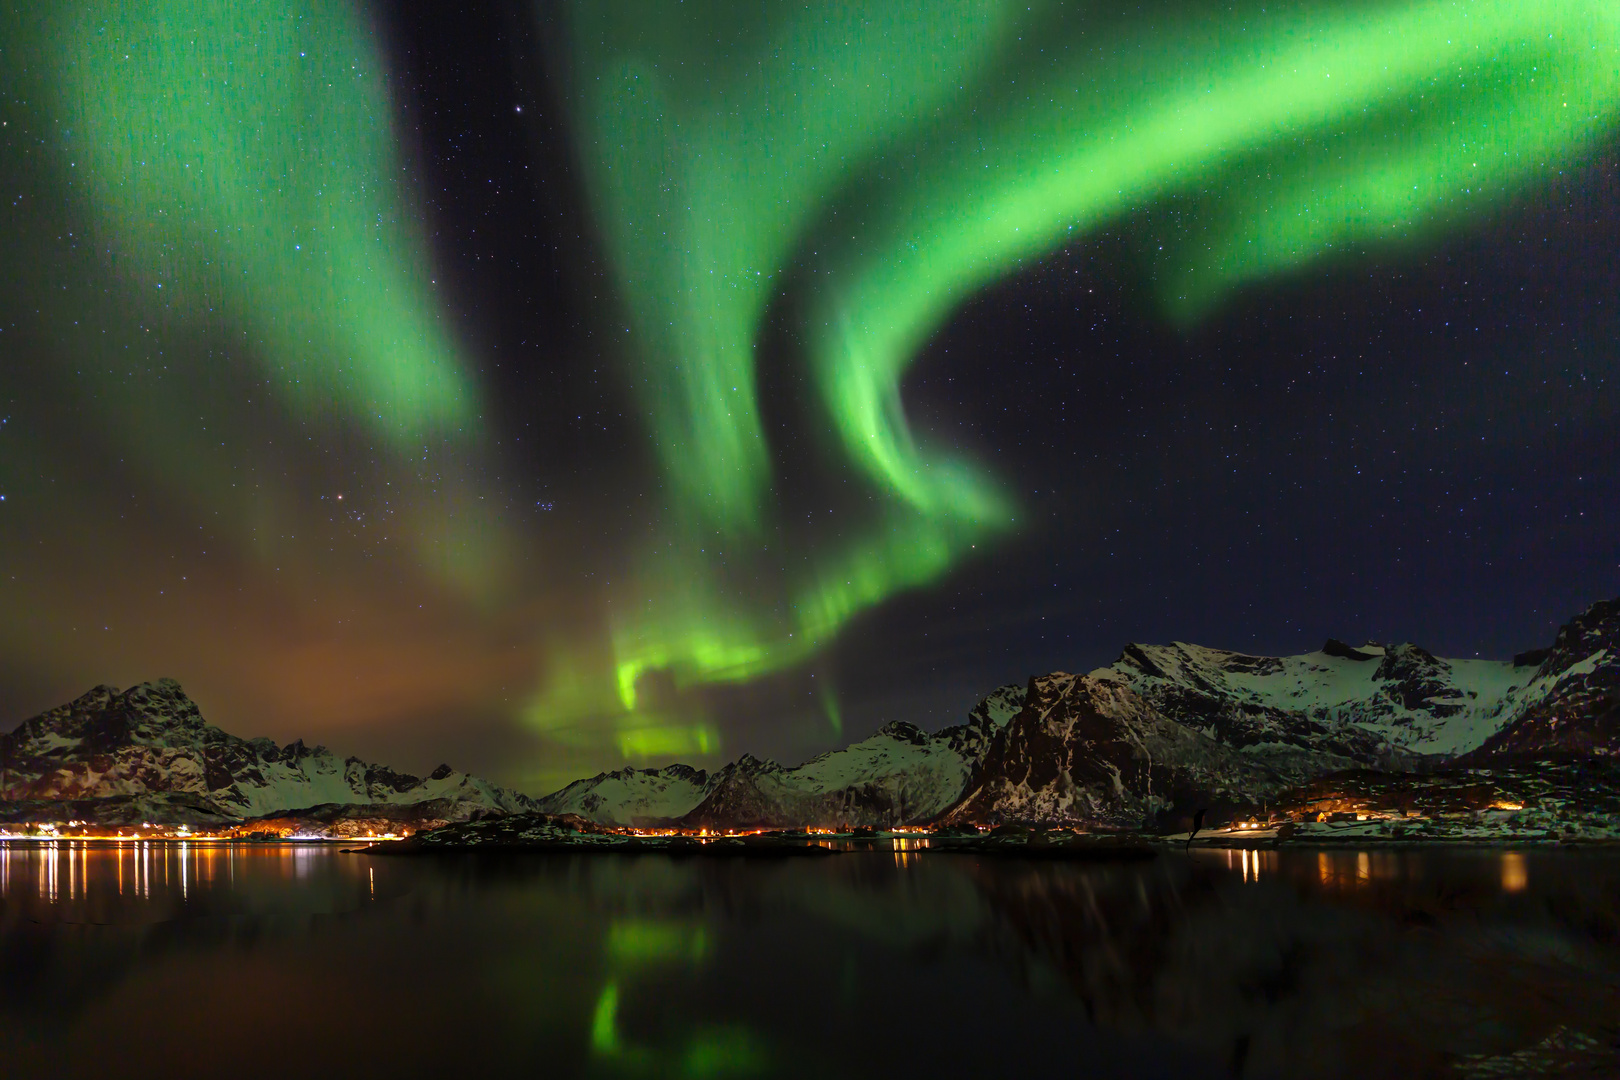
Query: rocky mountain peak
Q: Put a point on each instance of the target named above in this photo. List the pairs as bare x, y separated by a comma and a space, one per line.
1407, 660
155, 713
1571, 704
899, 729
1091, 750
999, 705
1335, 647
94, 700
749, 765
1593, 630
1137, 658
991, 713
1419, 680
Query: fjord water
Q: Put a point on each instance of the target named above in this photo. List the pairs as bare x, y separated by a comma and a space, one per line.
169, 959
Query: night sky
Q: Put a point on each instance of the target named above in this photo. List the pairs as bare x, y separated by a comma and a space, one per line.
543, 388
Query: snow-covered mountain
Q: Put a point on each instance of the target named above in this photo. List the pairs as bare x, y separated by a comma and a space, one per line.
899, 775
1168, 729
1163, 730
150, 745
1390, 705
1340, 705
1569, 702
632, 796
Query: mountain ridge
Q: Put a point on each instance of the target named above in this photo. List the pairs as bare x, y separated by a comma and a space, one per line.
1161, 730
148, 748
1136, 744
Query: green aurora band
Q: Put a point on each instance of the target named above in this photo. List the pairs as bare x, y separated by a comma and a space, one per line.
230, 173
241, 154
889, 160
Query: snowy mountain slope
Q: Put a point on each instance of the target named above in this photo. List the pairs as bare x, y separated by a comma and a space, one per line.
1164, 730
151, 740
1365, 705
1570, 702
899, 774
1388, 705
635, 797
1167, 730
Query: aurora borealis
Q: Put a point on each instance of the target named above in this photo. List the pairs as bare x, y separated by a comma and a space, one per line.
714, 378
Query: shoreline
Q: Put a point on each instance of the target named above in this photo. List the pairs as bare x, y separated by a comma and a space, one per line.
1120, 846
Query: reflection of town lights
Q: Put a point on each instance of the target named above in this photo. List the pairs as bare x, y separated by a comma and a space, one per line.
1515, 872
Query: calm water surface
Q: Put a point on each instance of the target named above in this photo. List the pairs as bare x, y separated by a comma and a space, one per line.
281, 960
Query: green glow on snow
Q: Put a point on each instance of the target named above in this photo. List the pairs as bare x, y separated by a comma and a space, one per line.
896, 160
240, 157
